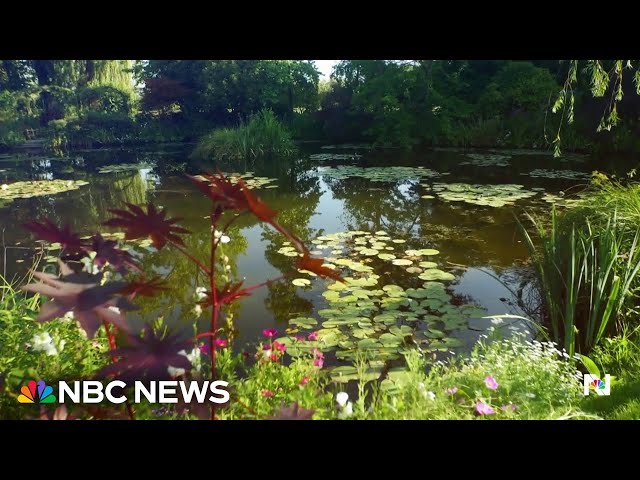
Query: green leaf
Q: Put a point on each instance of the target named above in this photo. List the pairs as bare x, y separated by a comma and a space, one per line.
590, 365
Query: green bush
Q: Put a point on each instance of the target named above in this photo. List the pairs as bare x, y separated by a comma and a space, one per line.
586, 267
262, 137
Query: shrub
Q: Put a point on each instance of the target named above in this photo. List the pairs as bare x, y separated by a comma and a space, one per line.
262, 137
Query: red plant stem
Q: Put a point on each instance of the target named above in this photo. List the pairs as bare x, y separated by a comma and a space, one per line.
214, 298
191, 257
112, 346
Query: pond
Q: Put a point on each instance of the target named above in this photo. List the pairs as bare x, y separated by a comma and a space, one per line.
430, 240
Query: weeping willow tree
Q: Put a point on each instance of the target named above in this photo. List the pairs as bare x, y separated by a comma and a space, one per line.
113, 73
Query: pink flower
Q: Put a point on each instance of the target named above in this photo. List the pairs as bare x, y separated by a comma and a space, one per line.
267, 393
511, 407
313, 336
221, 342
274, 357
452, 390
491, 383
269, 332
318, 360
266, 347
300, 338
304, 380
280, 347
204, 348
484, 409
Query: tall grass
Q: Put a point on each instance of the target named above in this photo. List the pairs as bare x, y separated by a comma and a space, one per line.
262, 136
585, 273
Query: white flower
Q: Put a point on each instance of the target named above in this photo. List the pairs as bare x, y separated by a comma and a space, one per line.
266, 354
221, 237
347, 411
69, 315
4, 186
341, 399
201, 293
42, 342
197, 309
431, 395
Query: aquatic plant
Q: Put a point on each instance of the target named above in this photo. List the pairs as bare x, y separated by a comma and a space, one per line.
263, 136
585, 272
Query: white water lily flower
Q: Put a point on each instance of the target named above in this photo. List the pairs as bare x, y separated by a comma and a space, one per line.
342, 398
4, 186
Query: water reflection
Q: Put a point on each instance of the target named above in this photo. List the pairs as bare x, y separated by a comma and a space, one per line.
483, 242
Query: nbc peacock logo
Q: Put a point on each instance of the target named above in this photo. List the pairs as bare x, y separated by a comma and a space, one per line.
36, 392
593, 383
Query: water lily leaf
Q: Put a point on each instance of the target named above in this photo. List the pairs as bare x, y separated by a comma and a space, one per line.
436, 274
301, 282
401, 262
303, 322
413, 270
428, 264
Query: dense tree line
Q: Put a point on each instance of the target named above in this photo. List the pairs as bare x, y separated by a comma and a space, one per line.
482, 103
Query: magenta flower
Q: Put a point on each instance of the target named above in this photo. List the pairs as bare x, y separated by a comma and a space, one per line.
491, 383
280, 347
274, 357
484, 409
266, 347
318, 360
204, 348
313, 336
221, 342
304, 380
452, 390
511, 407
300, 338
269, 332
267, 393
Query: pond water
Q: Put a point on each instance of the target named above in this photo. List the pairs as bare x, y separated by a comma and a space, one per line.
452, 210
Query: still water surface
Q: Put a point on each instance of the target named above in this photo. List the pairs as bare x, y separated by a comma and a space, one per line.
480, 244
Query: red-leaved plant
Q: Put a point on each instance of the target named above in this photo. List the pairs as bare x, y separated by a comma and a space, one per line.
98, 303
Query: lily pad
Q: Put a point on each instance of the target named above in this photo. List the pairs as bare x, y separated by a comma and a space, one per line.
301, 282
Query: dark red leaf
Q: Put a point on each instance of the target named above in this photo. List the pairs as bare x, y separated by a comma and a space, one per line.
80, 293
147, 357
306, 262
106, 252
153, 223
145, 288
260, 209
50, 232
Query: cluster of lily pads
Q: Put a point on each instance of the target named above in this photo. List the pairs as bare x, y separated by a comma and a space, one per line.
324, 157
564, 174
486, 160
487, 195
35, 188
124, 167
394, 299
249, 178
378, 174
